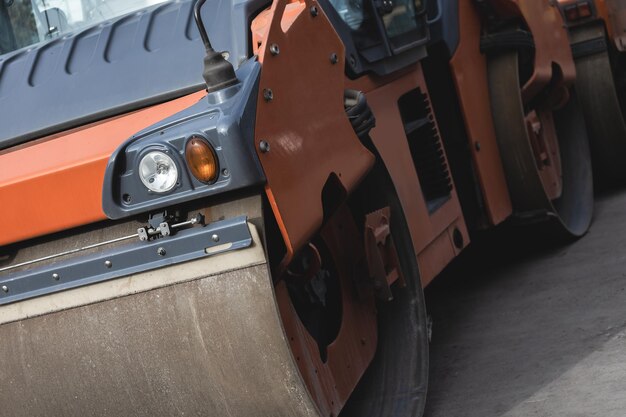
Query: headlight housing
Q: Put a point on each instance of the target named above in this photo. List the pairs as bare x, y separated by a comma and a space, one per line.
158, 172
203, 151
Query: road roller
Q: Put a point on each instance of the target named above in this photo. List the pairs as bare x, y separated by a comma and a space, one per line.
597, 39
232, 207
502, 75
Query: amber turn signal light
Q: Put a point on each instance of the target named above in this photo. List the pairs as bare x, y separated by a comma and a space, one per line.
201, 159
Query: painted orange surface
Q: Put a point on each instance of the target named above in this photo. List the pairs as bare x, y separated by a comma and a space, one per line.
311, 143
55, 183
309, 135
469, 69
552, 47
431, 233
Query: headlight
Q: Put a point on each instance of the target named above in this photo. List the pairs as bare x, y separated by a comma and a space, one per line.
158, 172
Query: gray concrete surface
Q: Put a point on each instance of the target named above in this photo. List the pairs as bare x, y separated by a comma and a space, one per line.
522, 328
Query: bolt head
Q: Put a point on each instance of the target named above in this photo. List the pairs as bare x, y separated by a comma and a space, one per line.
268, 94
215, 238
334, 58
274, 49
108, 264
264, 146
314, 11
5, 288
161, 252
56, 276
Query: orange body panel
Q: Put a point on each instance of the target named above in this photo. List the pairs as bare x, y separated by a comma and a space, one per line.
309, 135
431, 233
55, 183
469, 69
552, 46
332, 381
311, 141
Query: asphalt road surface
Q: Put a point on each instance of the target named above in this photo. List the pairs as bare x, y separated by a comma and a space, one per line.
522, 328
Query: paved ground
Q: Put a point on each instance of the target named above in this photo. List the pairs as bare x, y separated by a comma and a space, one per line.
523, 330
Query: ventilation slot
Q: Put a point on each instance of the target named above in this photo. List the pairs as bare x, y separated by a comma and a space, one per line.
426, 148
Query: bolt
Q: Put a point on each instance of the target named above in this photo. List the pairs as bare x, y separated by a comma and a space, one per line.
274, 49
5, 288
161, 251
314, 11
264, 146
56, 276
334, 58
108, 264
225, 172
215, 238
268, 94
477, 146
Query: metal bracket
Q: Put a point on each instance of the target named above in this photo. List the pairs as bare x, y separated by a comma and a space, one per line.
380, 251
186, 245
165, 229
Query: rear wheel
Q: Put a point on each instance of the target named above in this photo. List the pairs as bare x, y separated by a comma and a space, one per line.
604, 114
545, 152
396, 383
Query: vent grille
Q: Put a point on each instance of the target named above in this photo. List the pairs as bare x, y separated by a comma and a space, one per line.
426, 148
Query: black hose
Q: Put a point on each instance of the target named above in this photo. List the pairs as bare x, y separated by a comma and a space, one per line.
198, 17
218, 72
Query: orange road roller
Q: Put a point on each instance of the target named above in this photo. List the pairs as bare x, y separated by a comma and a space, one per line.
232, 207
597, 40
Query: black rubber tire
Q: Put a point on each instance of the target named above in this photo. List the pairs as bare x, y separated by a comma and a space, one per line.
396, 382
569, 216
603, 112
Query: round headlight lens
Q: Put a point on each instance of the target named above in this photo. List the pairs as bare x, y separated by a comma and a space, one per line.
201, 159
158, 172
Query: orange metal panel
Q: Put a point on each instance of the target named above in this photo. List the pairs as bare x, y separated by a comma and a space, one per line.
469, 69
437, 255
304, 122
430, 232
310, 139
55, 183
552, 46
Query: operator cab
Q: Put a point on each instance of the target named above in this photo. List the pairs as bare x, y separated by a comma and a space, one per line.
381, 36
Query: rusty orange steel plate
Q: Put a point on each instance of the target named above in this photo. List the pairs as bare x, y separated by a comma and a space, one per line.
469, 68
